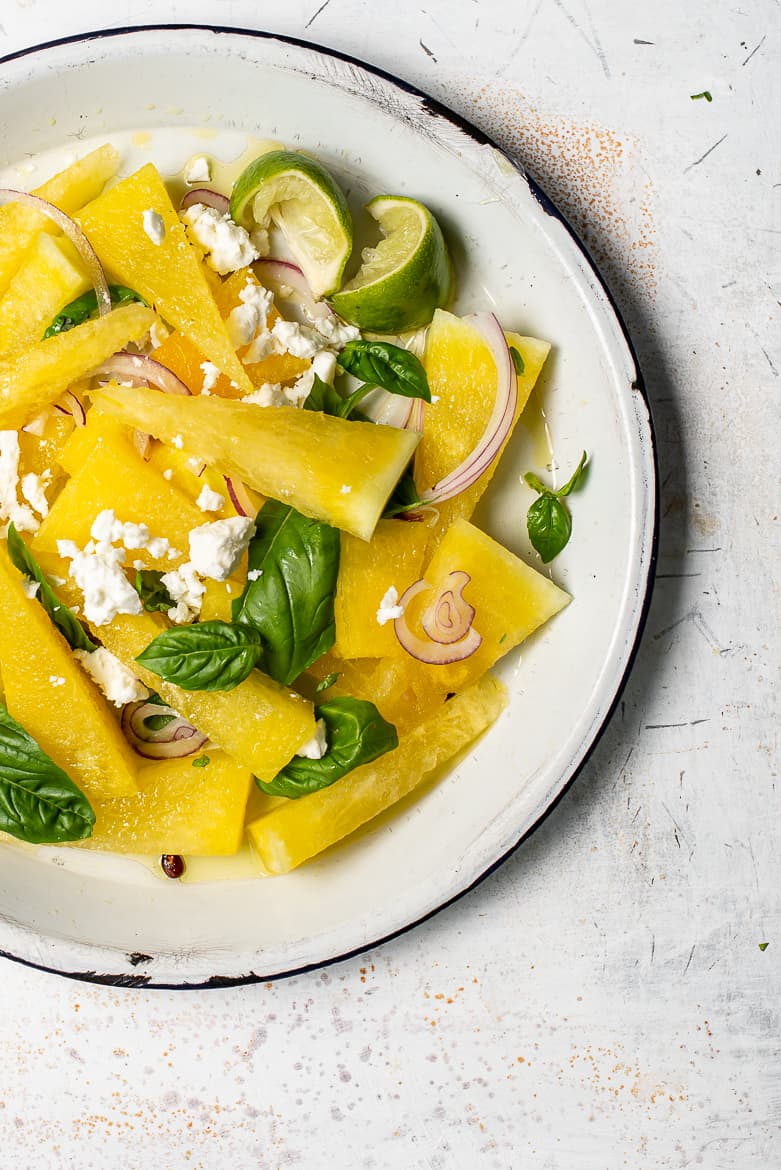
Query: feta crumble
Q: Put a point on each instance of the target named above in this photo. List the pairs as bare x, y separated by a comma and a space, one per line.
247, 322
117, 683
269, 394
316, 747
254, 574
99, 575
227, 245
154, 226
197, 170
217, 548
345, 489
178, 442
211, 375
30, 587
56, 680
11, 510
186, 589
106, 528
33, 490
389, 608
168, 474
209, 501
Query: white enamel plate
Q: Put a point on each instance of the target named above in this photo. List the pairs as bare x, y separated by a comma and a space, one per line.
165, 94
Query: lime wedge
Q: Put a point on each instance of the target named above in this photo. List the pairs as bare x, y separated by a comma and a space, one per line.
302, 199
405, 277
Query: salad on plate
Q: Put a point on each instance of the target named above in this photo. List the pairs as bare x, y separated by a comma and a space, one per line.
244, 597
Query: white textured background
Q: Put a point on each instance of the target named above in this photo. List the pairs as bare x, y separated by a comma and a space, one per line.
602, 1001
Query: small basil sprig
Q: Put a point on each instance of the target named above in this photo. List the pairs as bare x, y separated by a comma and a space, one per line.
85, 306
149, 586
548, 520
324, 398
207, 656
356, 734
294, 561
39, 803
518, 362
63, 617
379, 363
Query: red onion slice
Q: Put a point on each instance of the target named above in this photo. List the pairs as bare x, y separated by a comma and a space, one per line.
390, 410
289, 285
174, 741
71, 405
238, 496
76, 236
142, 369
208, 197
499, 424
449, 617
437, 652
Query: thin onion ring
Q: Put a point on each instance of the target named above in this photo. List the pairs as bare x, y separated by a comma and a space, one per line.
174, 741
449, 617
76, 236
424, 649
208, 197
144, 369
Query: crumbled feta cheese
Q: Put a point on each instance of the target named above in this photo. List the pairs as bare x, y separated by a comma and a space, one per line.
178, 442
187, 590
227, 245
197, 170
345, 489
334, 331
254, 574
33, 490
209, 501
138, 565
247, 322
301, 388
297, 339
269, 394
324, 365
30, 587
99, 575
10, 509
217, 548
117, 683
154, 226
316, 747
434, 398
168, 474
158, 332
389, 608
107, 528
56, 680
195, 464
261, 241
211, 374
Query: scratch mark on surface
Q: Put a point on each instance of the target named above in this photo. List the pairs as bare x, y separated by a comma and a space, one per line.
675, 576
322, 8
770, 362
703, 550
427, 51
753, 51
663, 726
653, 946
695, 617
594, 45
702, 158
530, 22
638, 41
688, 961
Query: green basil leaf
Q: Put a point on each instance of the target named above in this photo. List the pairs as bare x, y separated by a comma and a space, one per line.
201, 762
356, 734
291, 601
549, 525
576, 479
381, 364
39, 803
518, 361
207, 656
86, 306
324, 397
63, 617
327, 682
535, 482
153, 593
405, 495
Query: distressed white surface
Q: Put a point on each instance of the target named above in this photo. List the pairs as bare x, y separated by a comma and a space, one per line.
617, 952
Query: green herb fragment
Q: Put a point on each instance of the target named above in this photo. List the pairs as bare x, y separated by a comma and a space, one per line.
201, 761
39, 803
158, 722
518, 361
207, 656
324, 398
85, 306
356, 734
327, 682
706, 93
153, 593
389, 366
405, 496
548, 520
291, 603
63, 618
763, 946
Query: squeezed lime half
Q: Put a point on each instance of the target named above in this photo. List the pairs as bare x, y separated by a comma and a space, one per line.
297, 194
405, 277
